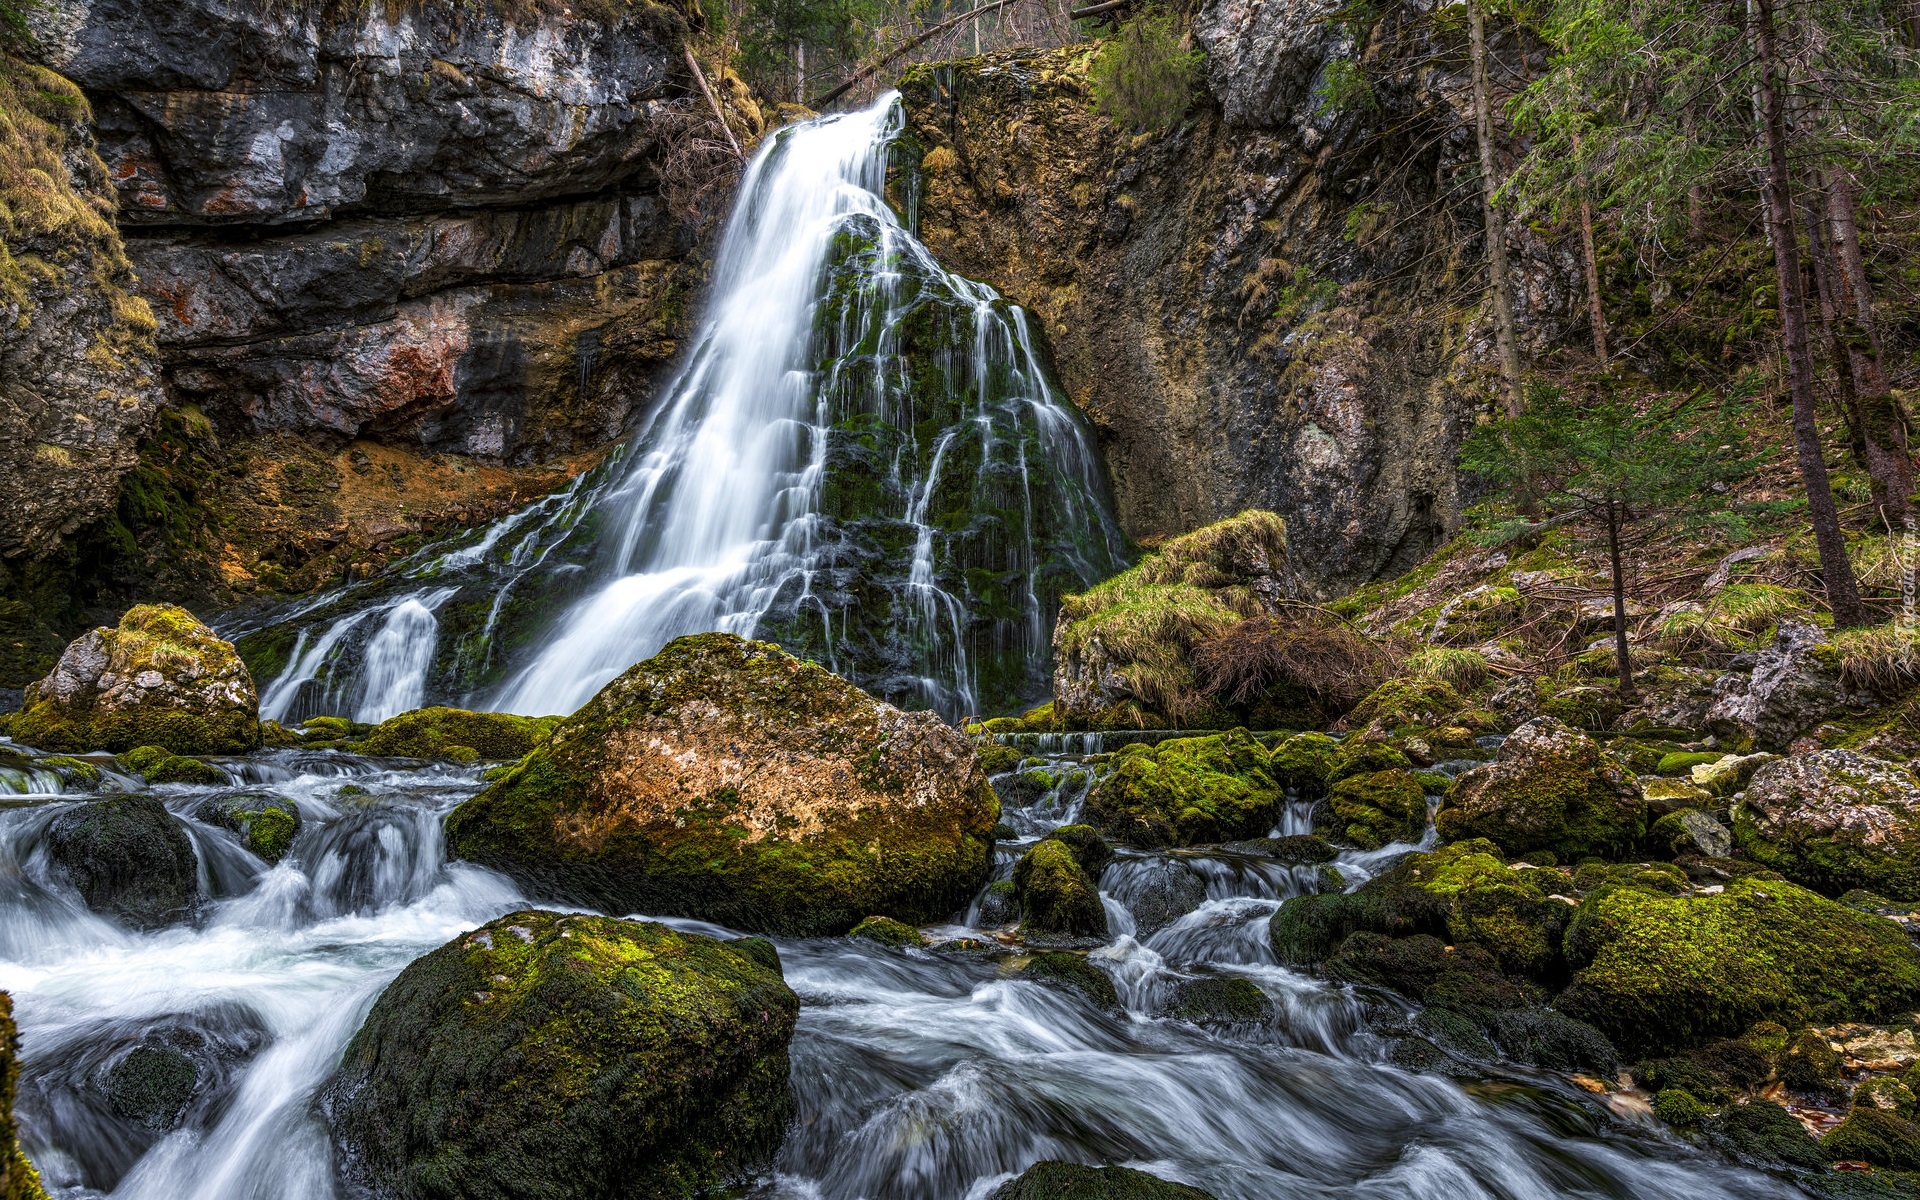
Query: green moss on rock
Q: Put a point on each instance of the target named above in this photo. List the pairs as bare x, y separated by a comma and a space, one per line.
888, 932
1304, 762
1187, 791
1056, 895
1658, 973
567, 1056
1381, 807
726, 780
18, 1179
1071, 1181
1874, 1136
445, 732
1552, 788
1834, 821
160, 678
266, 825
1060, 969
1212, 999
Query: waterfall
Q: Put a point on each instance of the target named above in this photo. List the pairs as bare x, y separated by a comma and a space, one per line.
862, 458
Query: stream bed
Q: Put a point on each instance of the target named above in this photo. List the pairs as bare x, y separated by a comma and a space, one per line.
932, 1074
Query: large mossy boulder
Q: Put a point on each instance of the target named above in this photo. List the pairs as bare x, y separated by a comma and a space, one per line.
160, 679
566, 1056
1071, 1181
18, 1179
1056, 886
727, 780
1833, 821
1187, 791
1464, 893
1551, 788
1380, 807
1304, 762
128, 857
1658, 973
457, 735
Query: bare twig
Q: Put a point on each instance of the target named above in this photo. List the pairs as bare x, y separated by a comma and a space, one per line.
713, 102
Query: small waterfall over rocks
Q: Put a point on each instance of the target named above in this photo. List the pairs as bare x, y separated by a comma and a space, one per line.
862, 459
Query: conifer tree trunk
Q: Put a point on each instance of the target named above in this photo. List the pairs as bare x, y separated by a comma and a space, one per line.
1843, 592
1622, 656
1504, 341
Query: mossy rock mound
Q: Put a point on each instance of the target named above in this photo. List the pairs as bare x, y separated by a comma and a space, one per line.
160, 679
727, 780
1057, 896
1417, 702
566, 1056
1833, 821
456, 734
1659, 973
128, 857
1380, 807
1874, 1136
1214, 1000
1071, 1181
1552, 788
157, 764
1463, 893
1057, 968
266, 825
18, 1179
1304, 762
1187, 791
888, 932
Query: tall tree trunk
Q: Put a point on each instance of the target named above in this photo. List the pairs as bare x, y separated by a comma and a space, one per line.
1883, 418
1622, 657
1595, 314
1824, 285
1504, 340
1696, 196
1843, 592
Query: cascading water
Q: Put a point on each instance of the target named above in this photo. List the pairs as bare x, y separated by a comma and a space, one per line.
917, 1074
862, 459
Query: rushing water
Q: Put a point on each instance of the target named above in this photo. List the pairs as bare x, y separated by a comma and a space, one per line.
862, 458
930, 1075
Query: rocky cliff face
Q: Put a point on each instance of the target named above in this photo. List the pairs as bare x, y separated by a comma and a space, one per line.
416, 223
1274, 305
78, 379
394, 266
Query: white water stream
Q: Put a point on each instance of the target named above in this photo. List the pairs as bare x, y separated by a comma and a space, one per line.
918, 1075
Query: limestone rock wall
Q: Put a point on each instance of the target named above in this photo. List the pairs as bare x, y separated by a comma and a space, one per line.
1275, 305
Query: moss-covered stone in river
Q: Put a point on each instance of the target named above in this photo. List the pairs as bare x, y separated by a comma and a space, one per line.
1057, 897
1057, 968
1657, 973
888, 932
160, 678
446, 732
18, 1179
128, 857
1380, 807
1304, 762
266, 825
1187, 791
567, 1056
156, 764
1072, 1181
1874, 1136
727, 780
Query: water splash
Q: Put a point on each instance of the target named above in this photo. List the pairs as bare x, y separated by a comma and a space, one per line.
862, 458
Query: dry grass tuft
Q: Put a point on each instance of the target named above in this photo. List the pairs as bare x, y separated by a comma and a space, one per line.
1304, 648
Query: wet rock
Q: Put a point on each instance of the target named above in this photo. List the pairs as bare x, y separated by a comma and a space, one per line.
1060, 969
1213, 1000
570, 1056
266, 825
1762, 1133
1057, 896
888, 932
161, 678
456, 734
1187, 791
1303, 849
152, 1085
1794, 686
156, 764
727, 780
1885, 1093
1552, 788
1071, 1181
1655, 972
999, 905
1162, 893
128, 857
1692, 831
1834, 820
